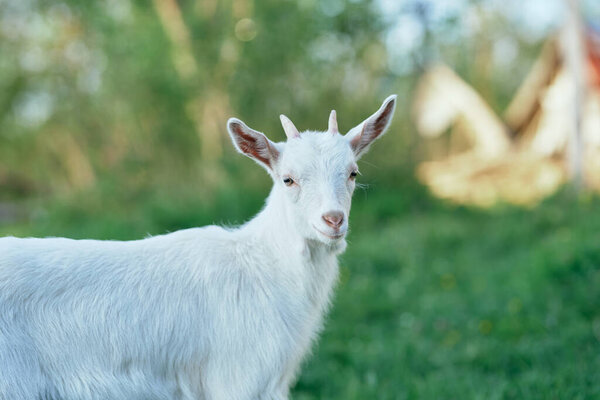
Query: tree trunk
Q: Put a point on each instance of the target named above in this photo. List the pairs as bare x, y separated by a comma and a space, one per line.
573, 49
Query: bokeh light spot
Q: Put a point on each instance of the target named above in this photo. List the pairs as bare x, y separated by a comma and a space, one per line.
245, 30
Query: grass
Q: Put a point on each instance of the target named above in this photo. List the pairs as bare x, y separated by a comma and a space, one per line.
434, 301
452, 303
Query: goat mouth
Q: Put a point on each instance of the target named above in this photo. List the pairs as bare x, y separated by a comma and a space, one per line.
335, 236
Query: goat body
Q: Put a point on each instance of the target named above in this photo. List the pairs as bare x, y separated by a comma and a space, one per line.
204, 313
192, 311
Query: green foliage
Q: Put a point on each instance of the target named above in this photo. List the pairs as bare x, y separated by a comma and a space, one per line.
119, 105
103, 92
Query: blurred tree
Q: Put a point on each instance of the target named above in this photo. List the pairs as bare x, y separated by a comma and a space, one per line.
573, 49
120, 91
135, 95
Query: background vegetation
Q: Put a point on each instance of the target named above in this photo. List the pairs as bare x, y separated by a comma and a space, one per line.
112, 125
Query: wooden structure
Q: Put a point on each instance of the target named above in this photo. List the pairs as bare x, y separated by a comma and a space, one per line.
523, 156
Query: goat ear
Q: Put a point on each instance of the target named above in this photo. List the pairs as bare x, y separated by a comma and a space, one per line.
362, 135
253, 143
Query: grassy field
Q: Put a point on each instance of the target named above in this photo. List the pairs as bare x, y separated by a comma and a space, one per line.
450, 303
434, 301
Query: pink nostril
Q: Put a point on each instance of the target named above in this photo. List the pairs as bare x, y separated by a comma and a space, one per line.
334, 219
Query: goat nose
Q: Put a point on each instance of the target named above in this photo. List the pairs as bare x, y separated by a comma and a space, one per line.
334, 218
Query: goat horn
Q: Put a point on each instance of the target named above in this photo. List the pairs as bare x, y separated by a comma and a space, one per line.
288, 127
333, 126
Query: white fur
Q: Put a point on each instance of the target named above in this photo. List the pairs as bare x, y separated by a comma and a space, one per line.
205, 313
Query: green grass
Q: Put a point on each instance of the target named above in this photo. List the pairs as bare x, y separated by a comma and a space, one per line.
464, 304
434, 301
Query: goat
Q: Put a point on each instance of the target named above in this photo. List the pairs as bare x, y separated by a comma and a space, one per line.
204, 313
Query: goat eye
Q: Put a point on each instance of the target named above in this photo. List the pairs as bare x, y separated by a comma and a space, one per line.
288, 181
353, 175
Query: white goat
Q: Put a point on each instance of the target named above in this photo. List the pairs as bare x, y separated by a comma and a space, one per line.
205, 313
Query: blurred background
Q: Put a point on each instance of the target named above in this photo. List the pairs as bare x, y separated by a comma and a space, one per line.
473, 267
